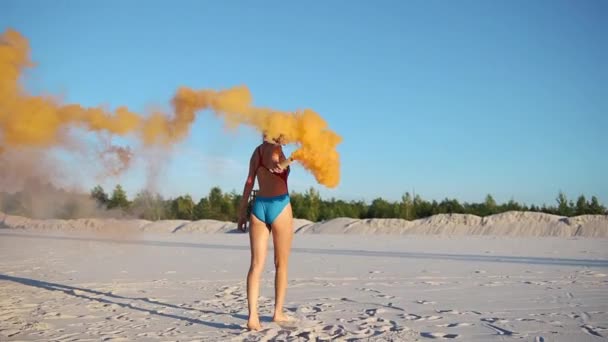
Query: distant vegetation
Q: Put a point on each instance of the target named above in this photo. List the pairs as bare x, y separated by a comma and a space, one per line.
223, 206
44, 201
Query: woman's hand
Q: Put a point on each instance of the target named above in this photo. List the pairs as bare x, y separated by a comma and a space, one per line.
277, 169
242, 222
282, 166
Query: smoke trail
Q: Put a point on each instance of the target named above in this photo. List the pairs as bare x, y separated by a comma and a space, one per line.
316, 142
43, 121
116, 159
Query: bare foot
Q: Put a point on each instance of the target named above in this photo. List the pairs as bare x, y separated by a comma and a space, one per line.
254, 324
280, 317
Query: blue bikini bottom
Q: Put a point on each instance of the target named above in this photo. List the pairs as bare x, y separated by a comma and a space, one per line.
266, 209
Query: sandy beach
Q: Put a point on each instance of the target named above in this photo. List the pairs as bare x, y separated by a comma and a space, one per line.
442, 161
156, 286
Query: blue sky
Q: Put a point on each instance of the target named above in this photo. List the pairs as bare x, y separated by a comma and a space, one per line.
444, 98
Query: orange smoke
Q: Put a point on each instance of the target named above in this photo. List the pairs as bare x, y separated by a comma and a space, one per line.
116, 159
317, 143
39, 121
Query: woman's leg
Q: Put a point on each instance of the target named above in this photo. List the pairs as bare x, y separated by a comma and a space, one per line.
258, 239
282, 235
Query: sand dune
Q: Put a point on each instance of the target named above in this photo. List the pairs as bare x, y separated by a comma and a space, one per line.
513, 223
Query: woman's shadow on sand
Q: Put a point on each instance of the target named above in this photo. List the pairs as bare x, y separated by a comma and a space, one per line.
86, 294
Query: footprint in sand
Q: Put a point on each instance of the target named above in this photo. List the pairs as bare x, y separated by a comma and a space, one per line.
595, 274
584, 316
373, 312
317, 333
493, 284
454, 325
229, 292
378, 293
365, 289
372, 325
438, 335
334, 331
66, 337
494, 320
499, 330
591, 330
384, 296
57, 315
414, 317
10, 332
308, 309
410, 317
527, 320
557, 324
120, 317
375, 321
363, 333
433, 283
449, 311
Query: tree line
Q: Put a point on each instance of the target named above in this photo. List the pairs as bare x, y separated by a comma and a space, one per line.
219, 205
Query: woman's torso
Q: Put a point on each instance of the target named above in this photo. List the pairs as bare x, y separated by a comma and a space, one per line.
270, 184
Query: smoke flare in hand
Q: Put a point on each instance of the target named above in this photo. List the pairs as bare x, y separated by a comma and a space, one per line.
41, 121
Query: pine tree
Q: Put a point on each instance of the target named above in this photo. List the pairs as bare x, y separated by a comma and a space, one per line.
563, 208
407, 207
183, 208
596, 208
581, 206
312, 201
118, 199
490, 205
100, 196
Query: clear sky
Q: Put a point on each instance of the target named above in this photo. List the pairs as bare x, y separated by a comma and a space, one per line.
446, 98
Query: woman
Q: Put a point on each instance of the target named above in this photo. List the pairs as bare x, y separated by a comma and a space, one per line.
271, 213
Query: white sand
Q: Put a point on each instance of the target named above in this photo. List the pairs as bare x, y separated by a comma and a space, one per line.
121, 281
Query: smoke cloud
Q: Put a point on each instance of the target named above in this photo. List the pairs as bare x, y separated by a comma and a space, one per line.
36, 121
